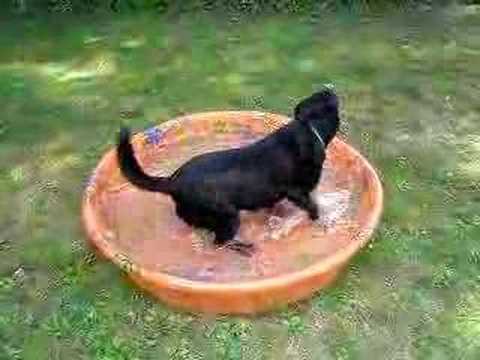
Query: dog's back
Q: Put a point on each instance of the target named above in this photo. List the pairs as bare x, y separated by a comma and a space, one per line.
252, 177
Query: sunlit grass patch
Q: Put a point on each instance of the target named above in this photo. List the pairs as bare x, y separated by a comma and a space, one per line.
409, 103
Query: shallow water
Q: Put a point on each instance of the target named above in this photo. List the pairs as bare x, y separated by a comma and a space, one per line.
146, 229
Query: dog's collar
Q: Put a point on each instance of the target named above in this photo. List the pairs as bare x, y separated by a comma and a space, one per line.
317, 135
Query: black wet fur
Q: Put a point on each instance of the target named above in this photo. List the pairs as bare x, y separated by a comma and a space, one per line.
210, 189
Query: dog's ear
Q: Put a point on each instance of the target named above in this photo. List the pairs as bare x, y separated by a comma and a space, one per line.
321, 110
323, 104
305, 112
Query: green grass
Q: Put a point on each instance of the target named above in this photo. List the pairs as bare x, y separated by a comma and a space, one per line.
409, 87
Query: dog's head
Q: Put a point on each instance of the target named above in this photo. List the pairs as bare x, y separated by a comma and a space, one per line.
321, 110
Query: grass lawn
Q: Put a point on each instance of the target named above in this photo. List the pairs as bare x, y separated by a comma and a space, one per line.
410, 88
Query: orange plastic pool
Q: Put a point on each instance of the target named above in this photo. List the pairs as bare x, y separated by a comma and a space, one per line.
294, 257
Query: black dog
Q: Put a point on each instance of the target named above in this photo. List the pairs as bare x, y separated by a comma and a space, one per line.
211, 189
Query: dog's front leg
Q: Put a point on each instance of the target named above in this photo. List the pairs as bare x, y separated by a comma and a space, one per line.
227, 228
226, 231
304, 201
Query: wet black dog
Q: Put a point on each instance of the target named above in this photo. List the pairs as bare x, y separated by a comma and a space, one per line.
211, 189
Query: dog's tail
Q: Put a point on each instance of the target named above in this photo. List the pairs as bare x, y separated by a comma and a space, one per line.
133, 172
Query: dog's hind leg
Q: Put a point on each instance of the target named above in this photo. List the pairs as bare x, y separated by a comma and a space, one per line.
226, 228
304, 201
225, 234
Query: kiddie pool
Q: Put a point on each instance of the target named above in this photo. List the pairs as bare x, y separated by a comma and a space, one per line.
294, 257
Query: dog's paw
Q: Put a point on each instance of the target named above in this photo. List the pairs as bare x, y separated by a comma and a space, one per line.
243, 248
313, 215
